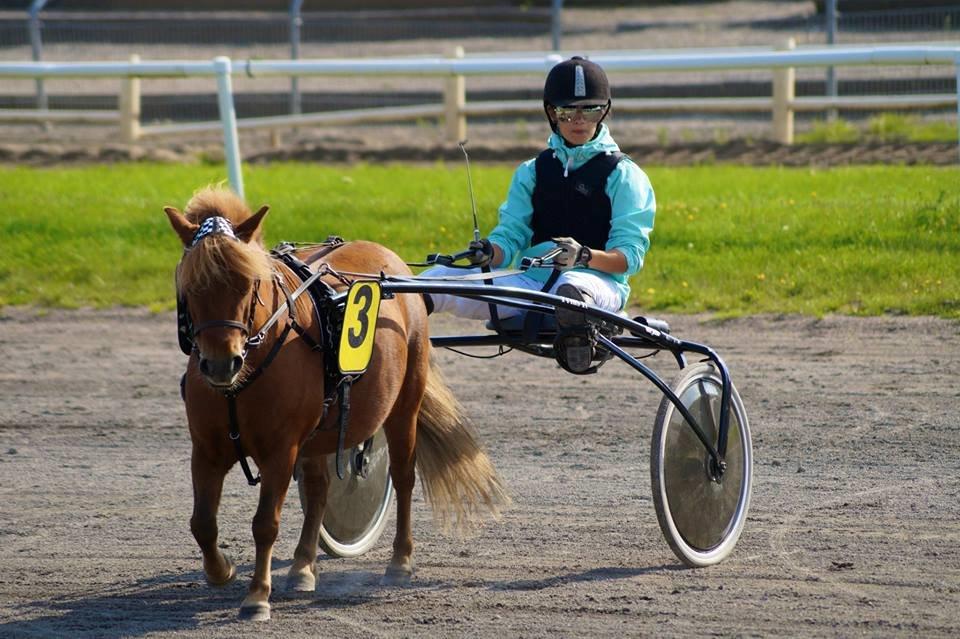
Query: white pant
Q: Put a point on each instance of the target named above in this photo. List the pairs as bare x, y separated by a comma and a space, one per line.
604, 292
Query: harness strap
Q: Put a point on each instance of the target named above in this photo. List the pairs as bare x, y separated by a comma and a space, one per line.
329, 245
235, 436
232, 395
274, 350
286, 306
307, 337
321, 293
344, 397
277, 344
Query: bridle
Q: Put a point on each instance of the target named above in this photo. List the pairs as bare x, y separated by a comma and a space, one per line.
283, 256
243, 328
321, 293
217, 225
254, 340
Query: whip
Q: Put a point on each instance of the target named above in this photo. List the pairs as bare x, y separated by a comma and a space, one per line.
473, 201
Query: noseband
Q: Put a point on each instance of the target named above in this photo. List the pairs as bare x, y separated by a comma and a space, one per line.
220, 324
243, 328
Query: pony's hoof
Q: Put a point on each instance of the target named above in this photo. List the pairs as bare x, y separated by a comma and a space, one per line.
397, 577
255, 612
301, 582
220, 582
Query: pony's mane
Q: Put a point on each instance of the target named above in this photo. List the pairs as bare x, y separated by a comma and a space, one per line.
219, 260
216, 200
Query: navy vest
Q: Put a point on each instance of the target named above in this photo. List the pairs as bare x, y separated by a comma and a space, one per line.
575, 206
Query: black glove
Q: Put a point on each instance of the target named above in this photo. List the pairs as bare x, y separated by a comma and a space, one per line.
482, 252
572, 253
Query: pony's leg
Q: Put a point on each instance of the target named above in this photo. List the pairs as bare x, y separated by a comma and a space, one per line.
403, 474
313, 482
400, 427
207, 488
275, 475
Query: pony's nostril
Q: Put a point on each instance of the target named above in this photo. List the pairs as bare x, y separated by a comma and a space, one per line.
204, 366
237, 364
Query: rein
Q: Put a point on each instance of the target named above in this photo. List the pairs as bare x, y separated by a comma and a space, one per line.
287, 305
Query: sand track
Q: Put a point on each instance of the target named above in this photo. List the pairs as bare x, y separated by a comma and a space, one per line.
853, 528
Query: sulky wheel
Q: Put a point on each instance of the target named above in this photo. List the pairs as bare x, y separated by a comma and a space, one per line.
700, 517
357, 506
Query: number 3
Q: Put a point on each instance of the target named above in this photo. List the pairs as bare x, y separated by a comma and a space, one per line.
365, 297
359, 327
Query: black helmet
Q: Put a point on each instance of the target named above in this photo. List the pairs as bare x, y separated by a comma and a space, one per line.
576, 82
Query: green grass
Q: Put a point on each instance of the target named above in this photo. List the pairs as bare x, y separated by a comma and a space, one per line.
866, 240
728, 240
886, 127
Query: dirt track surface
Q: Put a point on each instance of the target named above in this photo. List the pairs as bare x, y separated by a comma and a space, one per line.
853, 527
741, 152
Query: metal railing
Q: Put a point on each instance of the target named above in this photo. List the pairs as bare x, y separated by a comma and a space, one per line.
58, 33
455, 110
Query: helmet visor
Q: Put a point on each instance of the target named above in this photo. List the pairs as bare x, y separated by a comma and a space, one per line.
592, 113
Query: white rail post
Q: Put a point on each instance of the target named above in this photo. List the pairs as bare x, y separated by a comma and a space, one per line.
831, 17
784, 90
956, 68
454, 103
556, 23
228, 119
130, 106
36, 46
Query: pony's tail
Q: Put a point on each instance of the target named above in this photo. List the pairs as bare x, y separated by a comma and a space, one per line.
458, 478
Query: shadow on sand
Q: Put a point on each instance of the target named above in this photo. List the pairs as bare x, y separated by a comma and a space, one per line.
175, 602
183, 602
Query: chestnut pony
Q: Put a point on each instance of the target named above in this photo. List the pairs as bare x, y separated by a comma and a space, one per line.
231, 287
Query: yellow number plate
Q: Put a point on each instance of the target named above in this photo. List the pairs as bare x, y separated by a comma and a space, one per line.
359, 325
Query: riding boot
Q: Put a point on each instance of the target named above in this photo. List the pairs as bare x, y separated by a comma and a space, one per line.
577, 349
572, 318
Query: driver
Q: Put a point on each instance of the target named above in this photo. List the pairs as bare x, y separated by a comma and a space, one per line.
580, 195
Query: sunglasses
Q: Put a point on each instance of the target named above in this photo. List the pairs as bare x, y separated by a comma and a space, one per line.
591, 113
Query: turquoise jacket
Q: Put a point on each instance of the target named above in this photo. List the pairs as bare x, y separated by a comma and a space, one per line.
631, 198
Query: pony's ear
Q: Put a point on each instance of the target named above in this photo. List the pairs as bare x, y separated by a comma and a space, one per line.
181, 225
249, 227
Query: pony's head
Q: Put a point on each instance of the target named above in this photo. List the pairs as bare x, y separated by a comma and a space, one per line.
223, 261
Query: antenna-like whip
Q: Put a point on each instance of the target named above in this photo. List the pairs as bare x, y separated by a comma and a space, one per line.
473, 201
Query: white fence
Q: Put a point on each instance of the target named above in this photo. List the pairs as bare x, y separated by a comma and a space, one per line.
455, 110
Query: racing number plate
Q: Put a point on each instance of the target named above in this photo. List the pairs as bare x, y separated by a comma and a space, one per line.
359, 326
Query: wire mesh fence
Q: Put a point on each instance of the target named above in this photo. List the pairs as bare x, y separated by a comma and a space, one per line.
907, 23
